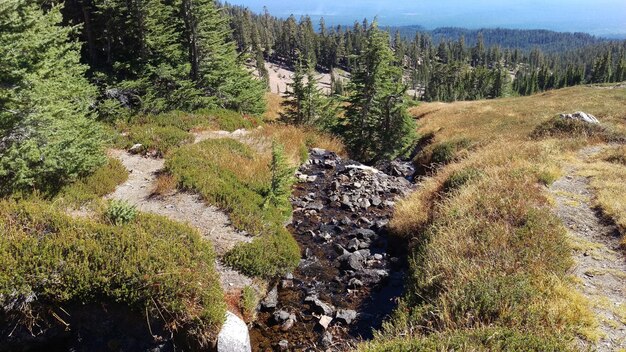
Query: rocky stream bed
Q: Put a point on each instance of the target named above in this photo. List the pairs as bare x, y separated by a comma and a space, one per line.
351, 272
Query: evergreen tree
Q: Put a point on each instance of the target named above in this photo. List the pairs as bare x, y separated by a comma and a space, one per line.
282, 179
377, 125
305, 104
46, 136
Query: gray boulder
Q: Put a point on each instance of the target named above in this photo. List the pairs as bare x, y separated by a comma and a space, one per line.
234, 336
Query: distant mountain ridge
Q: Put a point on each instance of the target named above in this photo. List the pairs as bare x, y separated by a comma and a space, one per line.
523, 39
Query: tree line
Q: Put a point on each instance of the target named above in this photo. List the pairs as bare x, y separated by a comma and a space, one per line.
438, 68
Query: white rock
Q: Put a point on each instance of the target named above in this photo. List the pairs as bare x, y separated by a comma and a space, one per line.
325, 321
364, 168
136, 148
581, 116
234, 336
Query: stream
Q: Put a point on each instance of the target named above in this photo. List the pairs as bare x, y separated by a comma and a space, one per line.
351, 272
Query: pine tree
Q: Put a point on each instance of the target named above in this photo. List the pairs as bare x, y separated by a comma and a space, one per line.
282, 179
215, 66
46, 136
377, 125
293, 104
305, 104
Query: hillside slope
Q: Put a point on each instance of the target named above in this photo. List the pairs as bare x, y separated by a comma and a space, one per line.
494, 267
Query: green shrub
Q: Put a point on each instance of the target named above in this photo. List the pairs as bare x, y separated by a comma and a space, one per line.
161, 139
267, 256
444, 152
152, 265
102, 182
228, 174
120, 212
459, 178
248, 302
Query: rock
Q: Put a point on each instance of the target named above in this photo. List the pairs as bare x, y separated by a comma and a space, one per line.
327, 339
271, 300
353, 245
288, 324
283, 345
376, 201
365, 203
368, 169
325, 321
136, 148
365, 234
353, 261
281, 316
373, 276
234, 336
317, 205
581, 116
346, 315
355, 283
311, 178
339, 249
378, 256
318, 306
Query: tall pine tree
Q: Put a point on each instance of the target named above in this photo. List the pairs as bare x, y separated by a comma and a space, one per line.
377, 125
46, 136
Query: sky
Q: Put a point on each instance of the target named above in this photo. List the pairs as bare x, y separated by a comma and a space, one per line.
599, 17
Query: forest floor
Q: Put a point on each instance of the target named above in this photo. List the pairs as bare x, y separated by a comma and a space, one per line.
600, 264
212, 223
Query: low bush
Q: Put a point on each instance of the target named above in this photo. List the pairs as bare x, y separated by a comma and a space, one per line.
156, 267
459, 178
159, 139
267, 256
120, 212
248, 302
91, 188
616, 155
443, 153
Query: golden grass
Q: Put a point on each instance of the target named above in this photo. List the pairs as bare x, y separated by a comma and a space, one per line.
165, 184
487, 249
516, 118
274, 107
608, 180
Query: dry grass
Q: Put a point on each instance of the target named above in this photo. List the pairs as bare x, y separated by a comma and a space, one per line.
274, 107
487, 250
608, 179
165, 184
516, 118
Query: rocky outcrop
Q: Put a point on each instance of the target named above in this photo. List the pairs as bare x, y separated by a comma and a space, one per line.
349, 272
581, 116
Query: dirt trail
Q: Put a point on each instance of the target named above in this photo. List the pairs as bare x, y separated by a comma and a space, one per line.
600, 263
188, 208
